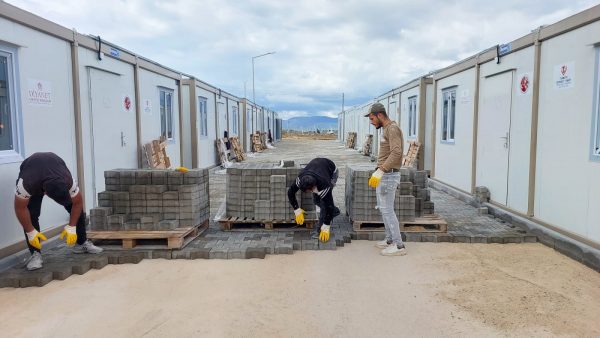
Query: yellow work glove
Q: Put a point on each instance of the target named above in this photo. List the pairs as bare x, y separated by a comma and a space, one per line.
375, 178
299, 216
35, 238
69, 235
182, 169
325, 232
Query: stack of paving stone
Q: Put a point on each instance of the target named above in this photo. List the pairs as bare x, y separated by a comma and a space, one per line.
482, 194
422, 194
259, 191
412, 198
151, 199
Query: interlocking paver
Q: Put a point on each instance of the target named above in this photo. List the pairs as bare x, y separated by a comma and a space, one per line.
465, 224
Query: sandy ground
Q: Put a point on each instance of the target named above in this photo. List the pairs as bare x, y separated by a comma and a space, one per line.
298, 136
438, 289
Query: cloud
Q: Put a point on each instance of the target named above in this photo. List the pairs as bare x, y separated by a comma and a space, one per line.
288, 114
323, 48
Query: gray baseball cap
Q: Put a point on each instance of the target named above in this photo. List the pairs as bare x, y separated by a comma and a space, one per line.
376, 108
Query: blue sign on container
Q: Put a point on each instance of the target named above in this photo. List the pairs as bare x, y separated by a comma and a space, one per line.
115, 52
504, 49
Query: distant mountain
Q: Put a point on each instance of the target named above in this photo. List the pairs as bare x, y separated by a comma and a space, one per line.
307, 123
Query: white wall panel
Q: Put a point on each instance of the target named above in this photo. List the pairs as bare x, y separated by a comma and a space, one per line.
453, 161
567, 180
39, 57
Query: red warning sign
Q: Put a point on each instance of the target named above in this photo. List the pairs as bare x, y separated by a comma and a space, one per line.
127, 103
524, 84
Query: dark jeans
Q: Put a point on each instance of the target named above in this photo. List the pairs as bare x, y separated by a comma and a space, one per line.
328, 210
35, 209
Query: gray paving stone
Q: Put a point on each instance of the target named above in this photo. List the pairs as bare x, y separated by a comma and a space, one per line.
181, 254
285, 249
310, 244
34, 278
462, 239
513, 239
162, 254
329, 245
79, 266
9, 280
429, 238
566, 247
496, 239
200, 253
297, 245
479, 239
218, 253
236, 253
413, 237
255, 253
60, 271
133, 258
592, 259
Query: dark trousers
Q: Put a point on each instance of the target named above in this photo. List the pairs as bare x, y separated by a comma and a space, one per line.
328, 210
35, 209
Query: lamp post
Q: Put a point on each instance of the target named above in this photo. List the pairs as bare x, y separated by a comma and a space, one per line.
256, 57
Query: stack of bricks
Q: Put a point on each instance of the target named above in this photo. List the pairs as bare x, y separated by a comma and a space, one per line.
412, 197
151, 199
259, 191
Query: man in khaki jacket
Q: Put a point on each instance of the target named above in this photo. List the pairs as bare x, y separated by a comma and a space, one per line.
387, 177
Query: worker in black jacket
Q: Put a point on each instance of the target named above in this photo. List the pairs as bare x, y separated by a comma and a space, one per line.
46, 174
319, 177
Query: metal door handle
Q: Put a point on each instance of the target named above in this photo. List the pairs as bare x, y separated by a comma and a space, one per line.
123, 143
505, 140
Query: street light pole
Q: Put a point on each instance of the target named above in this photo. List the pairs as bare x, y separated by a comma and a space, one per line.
256, 57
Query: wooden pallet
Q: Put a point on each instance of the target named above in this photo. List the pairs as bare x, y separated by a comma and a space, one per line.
427, 223
156, 154
412, 154
237, 149
351, 140
257, 145
173, 239
245, 223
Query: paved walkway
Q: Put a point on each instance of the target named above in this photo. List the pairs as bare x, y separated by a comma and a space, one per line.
465, 225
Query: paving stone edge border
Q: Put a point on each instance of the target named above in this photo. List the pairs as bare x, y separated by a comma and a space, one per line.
569, 247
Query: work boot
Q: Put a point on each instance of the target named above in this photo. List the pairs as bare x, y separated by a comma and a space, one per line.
87, 247
394, 250
35, 261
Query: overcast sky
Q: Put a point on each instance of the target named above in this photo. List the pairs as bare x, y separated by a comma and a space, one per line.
323, 48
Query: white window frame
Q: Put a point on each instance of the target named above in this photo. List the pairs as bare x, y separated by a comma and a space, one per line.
412, 117
234, 113
595, 146
16, 153
203, 116
166, 112
448, 115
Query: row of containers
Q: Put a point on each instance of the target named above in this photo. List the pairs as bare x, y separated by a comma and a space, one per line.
521, 119
95, 104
